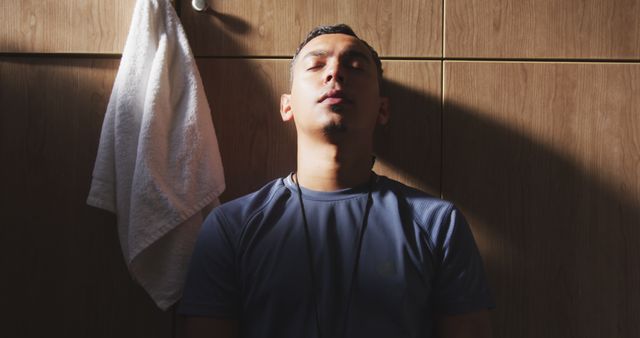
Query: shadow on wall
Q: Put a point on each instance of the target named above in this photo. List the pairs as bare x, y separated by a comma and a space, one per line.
61, 256
559, 242
255, 145
555, 231
408, 146
230, 22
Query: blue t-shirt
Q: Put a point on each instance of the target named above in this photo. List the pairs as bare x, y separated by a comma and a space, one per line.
418, 259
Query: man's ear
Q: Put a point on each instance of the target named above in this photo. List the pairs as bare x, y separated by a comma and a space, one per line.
286, 112
383, 111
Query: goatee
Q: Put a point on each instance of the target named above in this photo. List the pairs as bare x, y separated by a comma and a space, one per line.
334, 128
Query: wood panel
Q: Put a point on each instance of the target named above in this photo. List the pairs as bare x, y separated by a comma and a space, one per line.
583, 29
64, 26
276, 27
63, 272
409, 146
256, 146
545, 159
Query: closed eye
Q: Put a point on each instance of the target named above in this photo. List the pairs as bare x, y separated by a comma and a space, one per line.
315, 66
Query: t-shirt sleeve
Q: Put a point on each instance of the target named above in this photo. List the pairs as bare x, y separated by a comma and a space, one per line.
211, 288
460, 284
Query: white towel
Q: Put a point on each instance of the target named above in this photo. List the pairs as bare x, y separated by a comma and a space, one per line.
158, 165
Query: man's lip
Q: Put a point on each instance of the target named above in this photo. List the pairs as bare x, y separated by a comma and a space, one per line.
334, 97
335, 100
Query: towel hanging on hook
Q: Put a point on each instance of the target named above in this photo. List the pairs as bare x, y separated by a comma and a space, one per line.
158, 166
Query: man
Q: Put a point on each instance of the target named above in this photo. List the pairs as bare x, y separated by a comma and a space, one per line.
334, 250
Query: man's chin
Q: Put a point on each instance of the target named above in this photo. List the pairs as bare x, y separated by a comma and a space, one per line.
334, 129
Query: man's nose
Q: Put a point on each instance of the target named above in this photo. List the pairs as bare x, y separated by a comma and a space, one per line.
334, 73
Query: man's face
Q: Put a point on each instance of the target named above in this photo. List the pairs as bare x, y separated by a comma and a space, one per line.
335, 88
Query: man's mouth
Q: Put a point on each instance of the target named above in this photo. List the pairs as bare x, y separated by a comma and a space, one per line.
333, 97
334, 100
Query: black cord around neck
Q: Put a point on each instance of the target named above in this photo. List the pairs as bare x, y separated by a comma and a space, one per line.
356, 260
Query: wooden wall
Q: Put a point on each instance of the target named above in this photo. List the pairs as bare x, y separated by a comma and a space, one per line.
524, 113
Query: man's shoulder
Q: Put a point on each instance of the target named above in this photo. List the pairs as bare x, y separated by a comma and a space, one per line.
244, 207
424, 207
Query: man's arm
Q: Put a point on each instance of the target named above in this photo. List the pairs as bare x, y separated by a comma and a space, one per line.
210, 299
205, 327
474, 324
460, 284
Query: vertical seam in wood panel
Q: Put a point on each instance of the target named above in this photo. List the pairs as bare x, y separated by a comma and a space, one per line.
441, 129
442, 55
443, 34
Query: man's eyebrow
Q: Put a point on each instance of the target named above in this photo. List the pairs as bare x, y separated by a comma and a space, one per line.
317, 52
355, 54
351, 53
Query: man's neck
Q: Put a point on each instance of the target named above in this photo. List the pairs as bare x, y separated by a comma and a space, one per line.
330, 167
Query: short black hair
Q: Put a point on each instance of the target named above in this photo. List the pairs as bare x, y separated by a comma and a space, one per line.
337, 29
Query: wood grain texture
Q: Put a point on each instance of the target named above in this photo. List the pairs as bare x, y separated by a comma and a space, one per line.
256, 146
408, 147
276, 27
63, 271
64, 26
544, 159
583, 29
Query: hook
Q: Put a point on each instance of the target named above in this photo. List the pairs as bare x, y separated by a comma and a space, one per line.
199, 5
